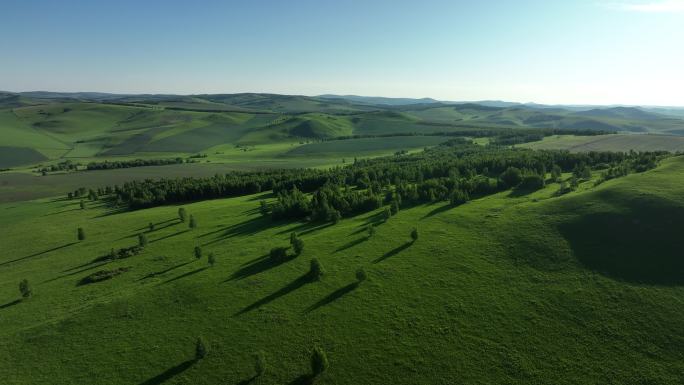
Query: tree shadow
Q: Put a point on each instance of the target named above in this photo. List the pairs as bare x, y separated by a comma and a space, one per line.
262, 196
393, 252
81, 269
258, 265
247, 381
438, 210
169, 373
9, 304
290, 287
198, 270
351, 244
156, 273
159, 223
246, 228
170, 236
334, 296
39, 253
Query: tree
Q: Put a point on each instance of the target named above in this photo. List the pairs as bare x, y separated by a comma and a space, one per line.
81, 234
511, 177
298, 246
414, 234
200, 349
142, 240
211, 259
386, 214
82, 204
316, 270
361, 275
182, 214
193, 222
260, 364
293, 237
151, 226
278, 254
370, 229
25, 288
198, 252
335, 216
263, 208
556, 173
394, 207
319, 362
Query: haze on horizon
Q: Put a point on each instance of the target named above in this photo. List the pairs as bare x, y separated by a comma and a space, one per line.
578, 52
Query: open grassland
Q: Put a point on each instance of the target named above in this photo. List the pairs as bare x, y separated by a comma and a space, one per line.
584, 288
352, 147
609, 143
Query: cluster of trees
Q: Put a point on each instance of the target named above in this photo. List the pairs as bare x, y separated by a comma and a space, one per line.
66, 165
106, 165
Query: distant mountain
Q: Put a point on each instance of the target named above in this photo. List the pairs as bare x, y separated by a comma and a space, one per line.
630, 113
378, 101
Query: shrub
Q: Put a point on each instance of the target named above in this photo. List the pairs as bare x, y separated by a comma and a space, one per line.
151, 226
556, 173
531, 182
82, 204
394, 207
386, 214
335, 217
198, 252
25, 288
361, 275
511, 177
414, 234
316, 270
211, 259
370, 229
81, 234
298, 246
182, 214
319, 362
193, 222
458, 198
278, 253
200, 349
103, 275
260, 364
142, 240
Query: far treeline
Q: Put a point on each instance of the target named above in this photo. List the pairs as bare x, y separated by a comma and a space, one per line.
456, 171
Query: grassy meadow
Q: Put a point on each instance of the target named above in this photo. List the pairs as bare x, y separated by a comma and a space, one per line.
517, 289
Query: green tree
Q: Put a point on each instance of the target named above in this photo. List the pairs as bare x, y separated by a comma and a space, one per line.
25, 288
81, 234
386, 214
414, 234
82, 204
263, 208
293, 237
370, 229
200, 349
335, 216
394, 207
298, 246
142, 240
198, 252
193, 222
278, 254
556, 173
151, 226
182, 214
211, 259
315, 270
260, 365
319, 362
511, 177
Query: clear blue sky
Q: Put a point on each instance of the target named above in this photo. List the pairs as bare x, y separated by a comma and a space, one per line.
553, 51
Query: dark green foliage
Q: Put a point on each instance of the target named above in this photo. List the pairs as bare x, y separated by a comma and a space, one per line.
556, 173
193, 223
414, 234
394, 207
200, 349
142, 240
315, 270
80, 234
25, 288
108, 165
211, 259
103, 275
370, 229
263, 208
458, 198
361, 275
511, 177
260, 365
532, 182
297, 246
81, 204
582, 171
198, 252
151, 227
386, 214
335, 217
122, 253
278, 253
182, 214
319, 362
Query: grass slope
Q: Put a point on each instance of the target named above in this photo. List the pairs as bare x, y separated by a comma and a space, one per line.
609, 143
511, 288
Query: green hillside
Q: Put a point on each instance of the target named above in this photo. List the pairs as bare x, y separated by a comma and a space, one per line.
509, 288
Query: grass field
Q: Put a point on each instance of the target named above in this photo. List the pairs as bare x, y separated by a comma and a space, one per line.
582, 288
610, 143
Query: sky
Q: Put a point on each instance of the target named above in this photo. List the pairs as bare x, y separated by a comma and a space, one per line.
544, 51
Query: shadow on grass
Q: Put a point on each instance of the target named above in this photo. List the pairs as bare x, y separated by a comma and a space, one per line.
170, 236
9, 304
169, 373
304, 379
37, 254
290, 287
159, 223
247, 381
351, 244
334, 296
262, 196
248, 227
198, 270
438, 210
81, 269
259, 265
394, 252
156, 273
